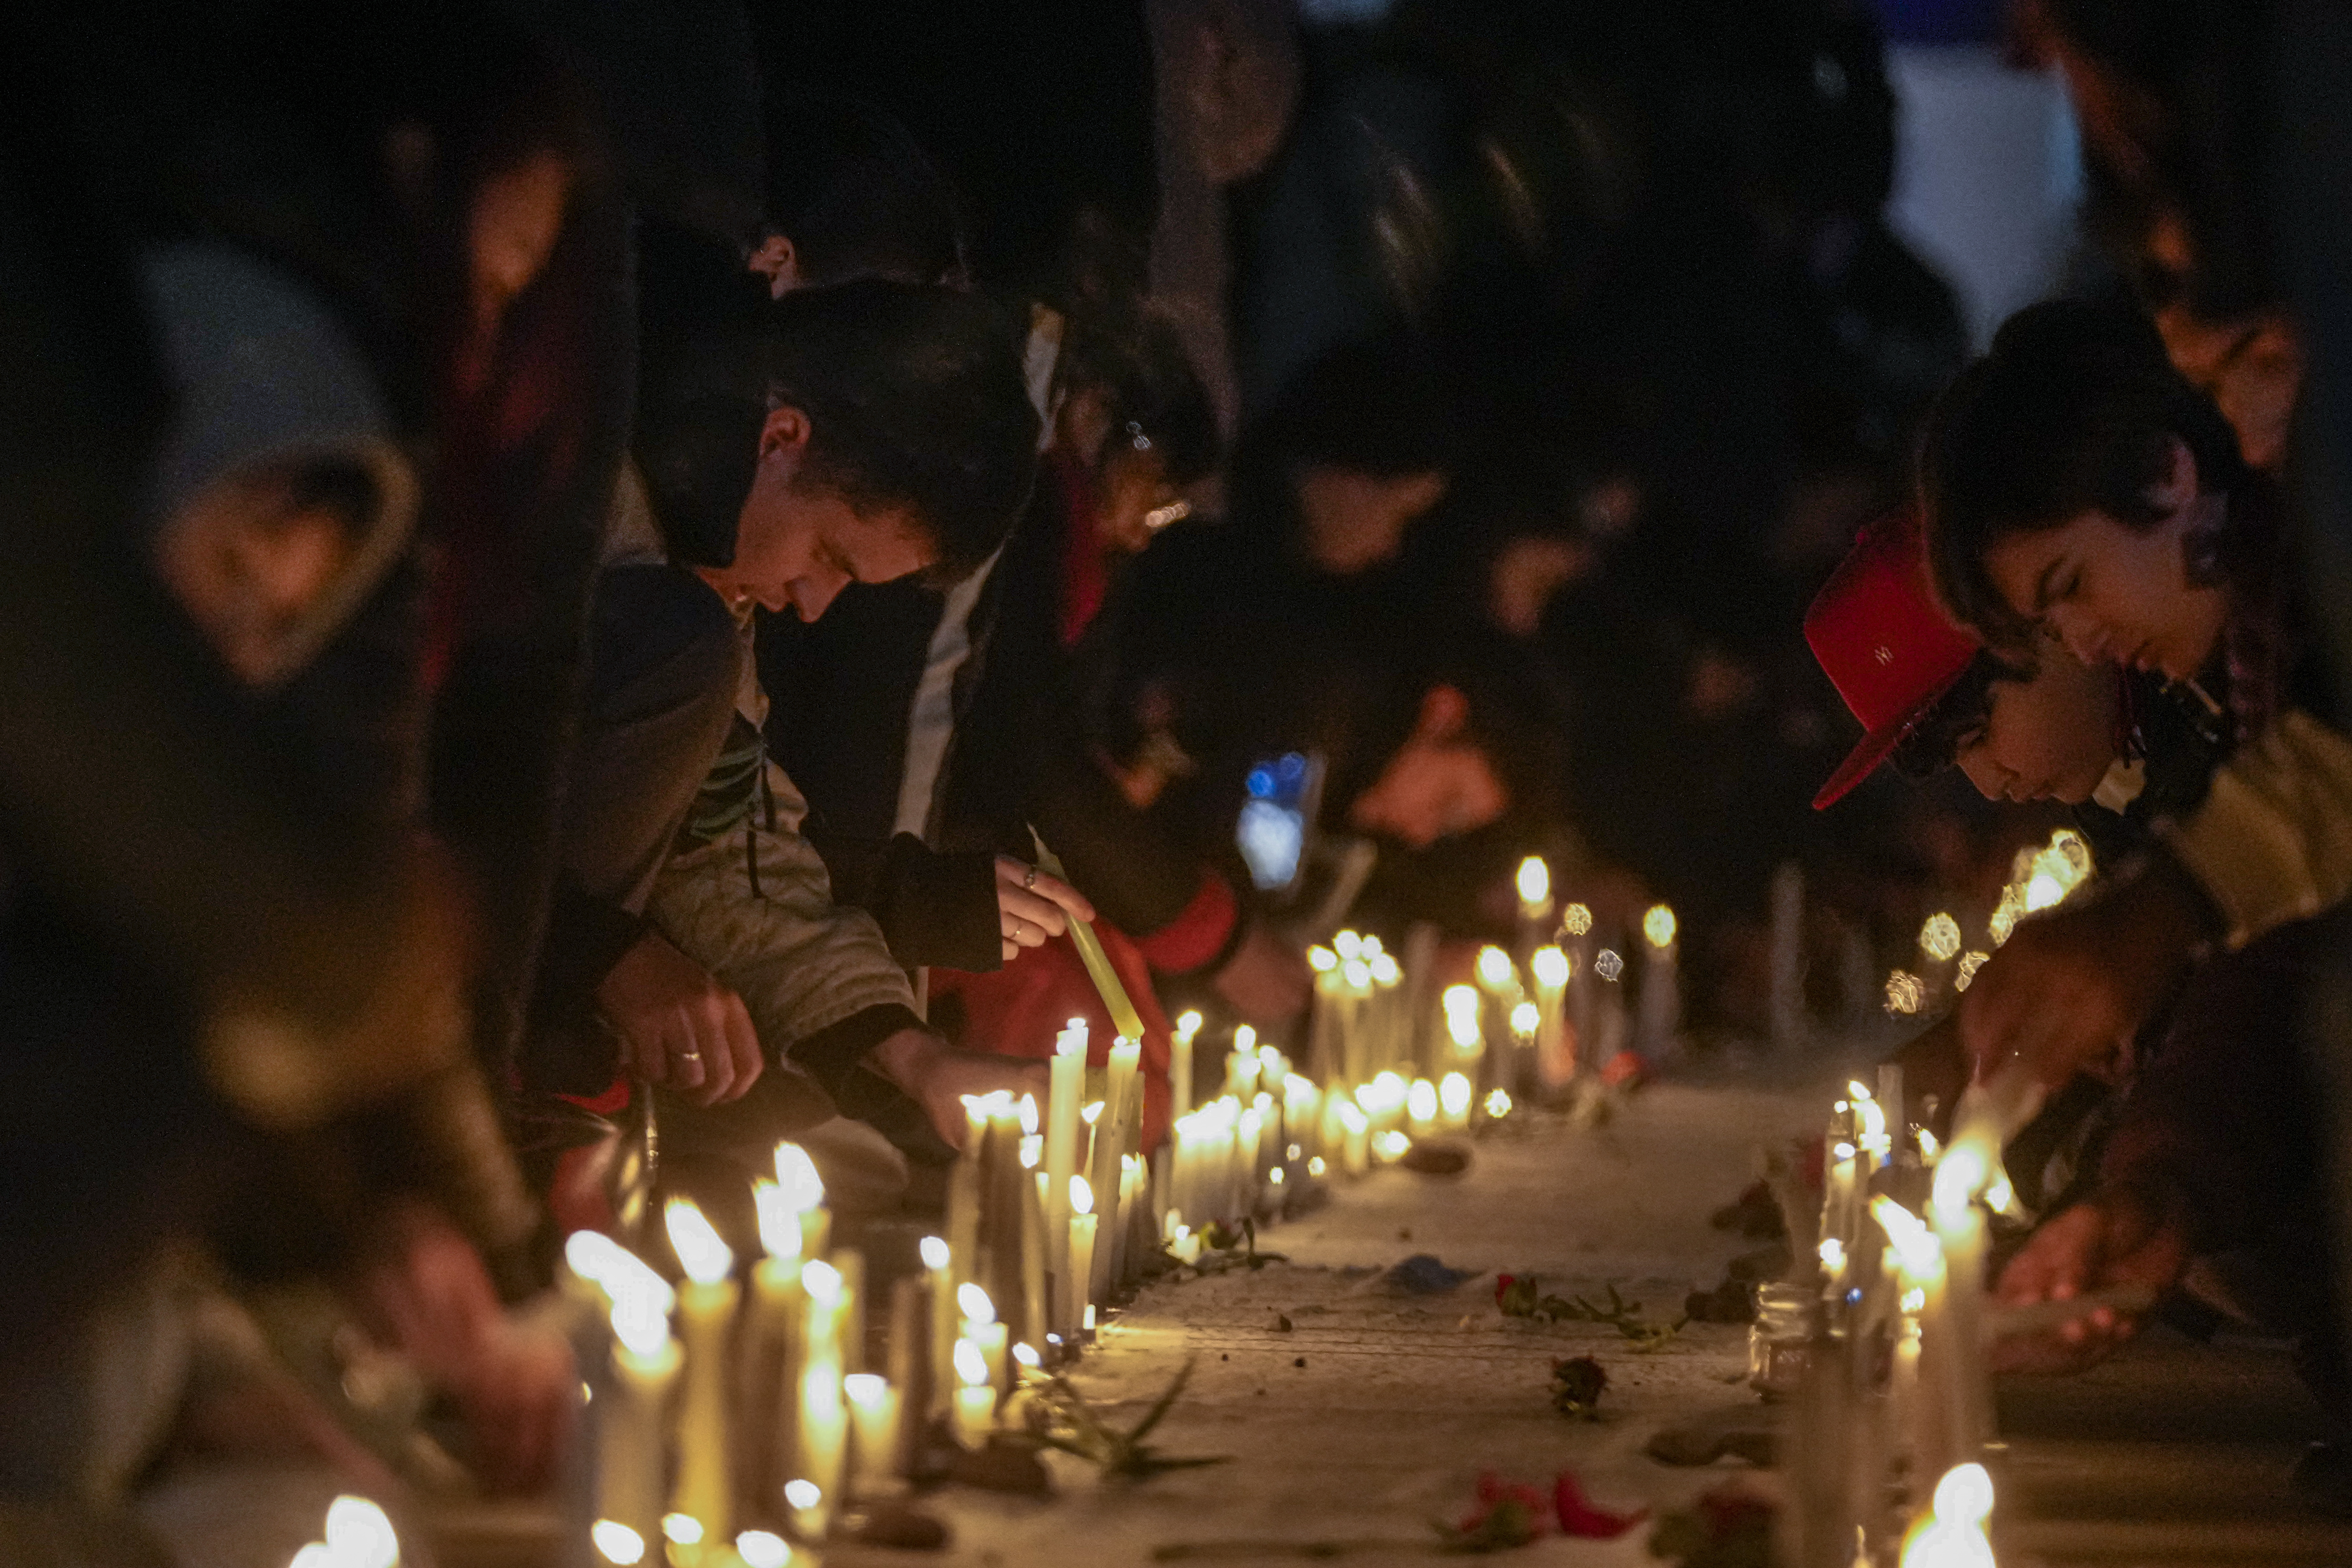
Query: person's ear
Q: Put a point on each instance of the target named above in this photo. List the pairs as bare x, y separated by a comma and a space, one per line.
778, 262
785, 435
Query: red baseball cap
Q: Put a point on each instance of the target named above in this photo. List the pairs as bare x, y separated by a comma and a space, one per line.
1884, 642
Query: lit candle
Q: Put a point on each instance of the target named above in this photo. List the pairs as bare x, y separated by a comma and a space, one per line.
1355, 1156
632, 1426
1554, 1044
1921, 1278
1454, 1101
1036, 1309
1082, 1256
975, 1396
1952, 1340
803, 1191
770, 1405
1535, 899
1576, 925
939, 1279
1662, 1003
1466, 1032
1065, 1088
1420, 1108
1956, 1531
705, 1308
980, 1328
873, 1420
1124, 1097
1180, 1064
824, 1442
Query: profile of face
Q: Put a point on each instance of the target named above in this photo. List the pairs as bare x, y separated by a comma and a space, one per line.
1355, 522
2116, 594
2047, 736
798, 544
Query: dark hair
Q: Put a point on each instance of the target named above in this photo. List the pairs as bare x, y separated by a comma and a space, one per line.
850, 188
914, 400
1933, 741
2074, 410
1154, 394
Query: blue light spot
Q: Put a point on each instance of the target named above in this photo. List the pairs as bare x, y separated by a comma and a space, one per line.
1293, 767
1261, 784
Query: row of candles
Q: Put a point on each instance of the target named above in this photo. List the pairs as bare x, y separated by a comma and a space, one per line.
1894, 1381
725, 1417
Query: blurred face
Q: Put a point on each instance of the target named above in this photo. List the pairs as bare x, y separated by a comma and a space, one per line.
1354, 522
798, 545
2051, 737
250, 563
2114, 593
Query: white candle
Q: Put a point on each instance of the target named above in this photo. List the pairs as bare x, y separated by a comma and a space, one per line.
1554, 1044
1420, 1108
803, 1191
633, 1427
1179, 1065
770, 1405
705, 1489
1066, 1087
1082, 1256
975, 1396
1124, 1098
823, 1441
874, 1421
1662, 1005
1453, 1094
939, 1282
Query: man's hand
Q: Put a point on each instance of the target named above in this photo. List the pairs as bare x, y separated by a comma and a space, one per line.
2109, 1240
2070, 989
421, 1288
938, 1075
1032, 907
679, 1025
1267, 980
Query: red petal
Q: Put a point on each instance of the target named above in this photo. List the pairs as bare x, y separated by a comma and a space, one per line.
1580, 1517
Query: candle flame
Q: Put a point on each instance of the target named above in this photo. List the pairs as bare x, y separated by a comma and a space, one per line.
1033, 1151
1832, 1253
762, 1549
1322, 960
1092, 1113
318, 1555
1915, 1247
1386, 970
864, 1389
614, 1269
1269, 1059
1352, 1119
1954, 1535
1082, 1196
780, 1223
1421, 1100
802, 1494
1072, 1041
1498, 1103
823, 1281
935, 1252
1495, 971
682, 1528
1385, 1093
1349, 945
1188, 1024
1550, 967
973, 1302
1524, 1017
1027, 1355
640, 1322
1658, 926
1245, 1041
360, 1535
1535, 882
1576, 920
1028, 1113
1927, 1144
970, 1364
1961, 1175
797, 1173
1453, 1094
1458, 999
1391, 1145
615, 1542
700, 1252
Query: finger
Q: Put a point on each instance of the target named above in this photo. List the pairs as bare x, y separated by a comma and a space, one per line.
1060, 893
1028, 907
718, 1066
1027, 934
743, 1047
684, 1066
1011, 950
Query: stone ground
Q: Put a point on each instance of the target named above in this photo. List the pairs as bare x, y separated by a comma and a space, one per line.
2175, 1453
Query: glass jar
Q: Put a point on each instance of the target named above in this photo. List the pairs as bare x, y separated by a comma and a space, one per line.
1780, 1340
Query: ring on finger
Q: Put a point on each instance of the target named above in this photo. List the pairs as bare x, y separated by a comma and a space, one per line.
690, 1055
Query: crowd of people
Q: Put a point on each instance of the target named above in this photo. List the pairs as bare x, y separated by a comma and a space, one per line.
565, 566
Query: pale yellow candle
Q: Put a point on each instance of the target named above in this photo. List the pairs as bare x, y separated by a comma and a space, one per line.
828, 1300
1066, 1089
770, 1402
1355, 1157
1179, 1065
631, 1423
1420, 1108
706, 1310
940, 1283
804, 1193
824, 1442
1453, 1095
975, 1396
1555, 1048
1082, 1256
874, 1424
980, 1327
